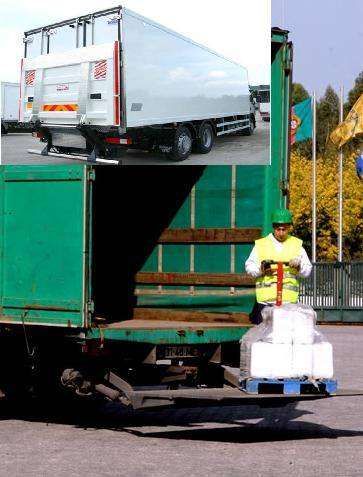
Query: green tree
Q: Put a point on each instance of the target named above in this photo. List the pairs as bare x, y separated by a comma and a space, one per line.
327, 206
299, 93
327, 118
353, 96
355, 92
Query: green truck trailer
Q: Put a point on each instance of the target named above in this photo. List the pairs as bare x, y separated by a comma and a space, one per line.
129, 281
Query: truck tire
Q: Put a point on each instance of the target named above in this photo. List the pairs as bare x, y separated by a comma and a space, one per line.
3, 129
182, 144
205, 141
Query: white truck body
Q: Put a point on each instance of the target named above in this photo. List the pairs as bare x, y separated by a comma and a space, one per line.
176, 80
9, 102
116, 71
166, 78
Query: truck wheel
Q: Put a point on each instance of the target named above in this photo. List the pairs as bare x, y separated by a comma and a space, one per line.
3, 130
182, 145
205, 141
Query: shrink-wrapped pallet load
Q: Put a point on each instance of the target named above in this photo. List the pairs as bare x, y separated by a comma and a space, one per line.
323, 360
271, 360
286, 345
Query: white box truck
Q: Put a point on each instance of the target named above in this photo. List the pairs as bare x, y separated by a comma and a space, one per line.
9, 106
113, 79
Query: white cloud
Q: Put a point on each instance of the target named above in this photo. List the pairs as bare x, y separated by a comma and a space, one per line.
217, 74
179, 73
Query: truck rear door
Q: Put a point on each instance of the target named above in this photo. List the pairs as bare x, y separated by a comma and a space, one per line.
71, 73
44, 245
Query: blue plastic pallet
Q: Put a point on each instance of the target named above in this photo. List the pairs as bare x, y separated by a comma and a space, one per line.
289, 386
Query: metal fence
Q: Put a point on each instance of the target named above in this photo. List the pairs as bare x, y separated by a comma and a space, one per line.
334, 286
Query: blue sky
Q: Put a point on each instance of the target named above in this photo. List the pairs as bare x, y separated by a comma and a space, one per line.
238, 29
328, 40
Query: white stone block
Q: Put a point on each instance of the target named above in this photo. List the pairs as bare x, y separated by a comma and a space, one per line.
302, 360
271, 360
323, 361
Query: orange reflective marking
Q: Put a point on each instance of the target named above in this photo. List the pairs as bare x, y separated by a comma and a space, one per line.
60, 107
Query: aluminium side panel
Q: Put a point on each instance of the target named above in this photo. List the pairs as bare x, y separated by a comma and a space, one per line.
169, 78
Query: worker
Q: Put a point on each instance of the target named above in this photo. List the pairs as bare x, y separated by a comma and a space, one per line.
278, 246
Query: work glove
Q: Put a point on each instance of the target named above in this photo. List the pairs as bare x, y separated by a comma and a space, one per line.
295, 264
266, 267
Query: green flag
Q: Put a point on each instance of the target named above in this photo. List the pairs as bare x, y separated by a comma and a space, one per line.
301, 121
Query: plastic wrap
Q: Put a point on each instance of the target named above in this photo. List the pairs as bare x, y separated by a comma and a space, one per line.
290, 323
286, 345
270, 360
323, 360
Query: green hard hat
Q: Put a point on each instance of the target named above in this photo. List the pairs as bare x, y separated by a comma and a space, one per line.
281, 216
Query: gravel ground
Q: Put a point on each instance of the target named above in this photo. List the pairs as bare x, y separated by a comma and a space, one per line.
323, 437
244, 150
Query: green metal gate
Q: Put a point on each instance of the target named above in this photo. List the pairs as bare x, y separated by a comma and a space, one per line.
335, 291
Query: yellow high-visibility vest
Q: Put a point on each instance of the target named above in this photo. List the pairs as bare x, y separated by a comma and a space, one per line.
266, 288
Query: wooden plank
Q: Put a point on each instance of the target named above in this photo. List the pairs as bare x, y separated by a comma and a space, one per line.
210, 235
189, 316
209, 279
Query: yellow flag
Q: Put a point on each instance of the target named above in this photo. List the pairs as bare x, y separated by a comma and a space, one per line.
351, 126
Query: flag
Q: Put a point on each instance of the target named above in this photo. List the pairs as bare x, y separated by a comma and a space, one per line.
301, 121
351, 127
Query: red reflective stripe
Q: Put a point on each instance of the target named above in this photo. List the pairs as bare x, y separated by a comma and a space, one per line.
117, 140
113, 140
100, 69
116, 69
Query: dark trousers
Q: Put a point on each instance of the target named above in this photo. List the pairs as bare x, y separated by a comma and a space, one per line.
255, 315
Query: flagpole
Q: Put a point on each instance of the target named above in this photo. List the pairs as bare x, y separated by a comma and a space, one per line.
340, 231
313, 241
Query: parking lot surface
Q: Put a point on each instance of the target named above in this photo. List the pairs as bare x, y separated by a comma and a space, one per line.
244, 150
323, 437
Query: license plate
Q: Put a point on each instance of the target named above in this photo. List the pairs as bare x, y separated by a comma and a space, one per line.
170, 352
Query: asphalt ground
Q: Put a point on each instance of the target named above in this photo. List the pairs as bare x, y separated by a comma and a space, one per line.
323, 437
231, 149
